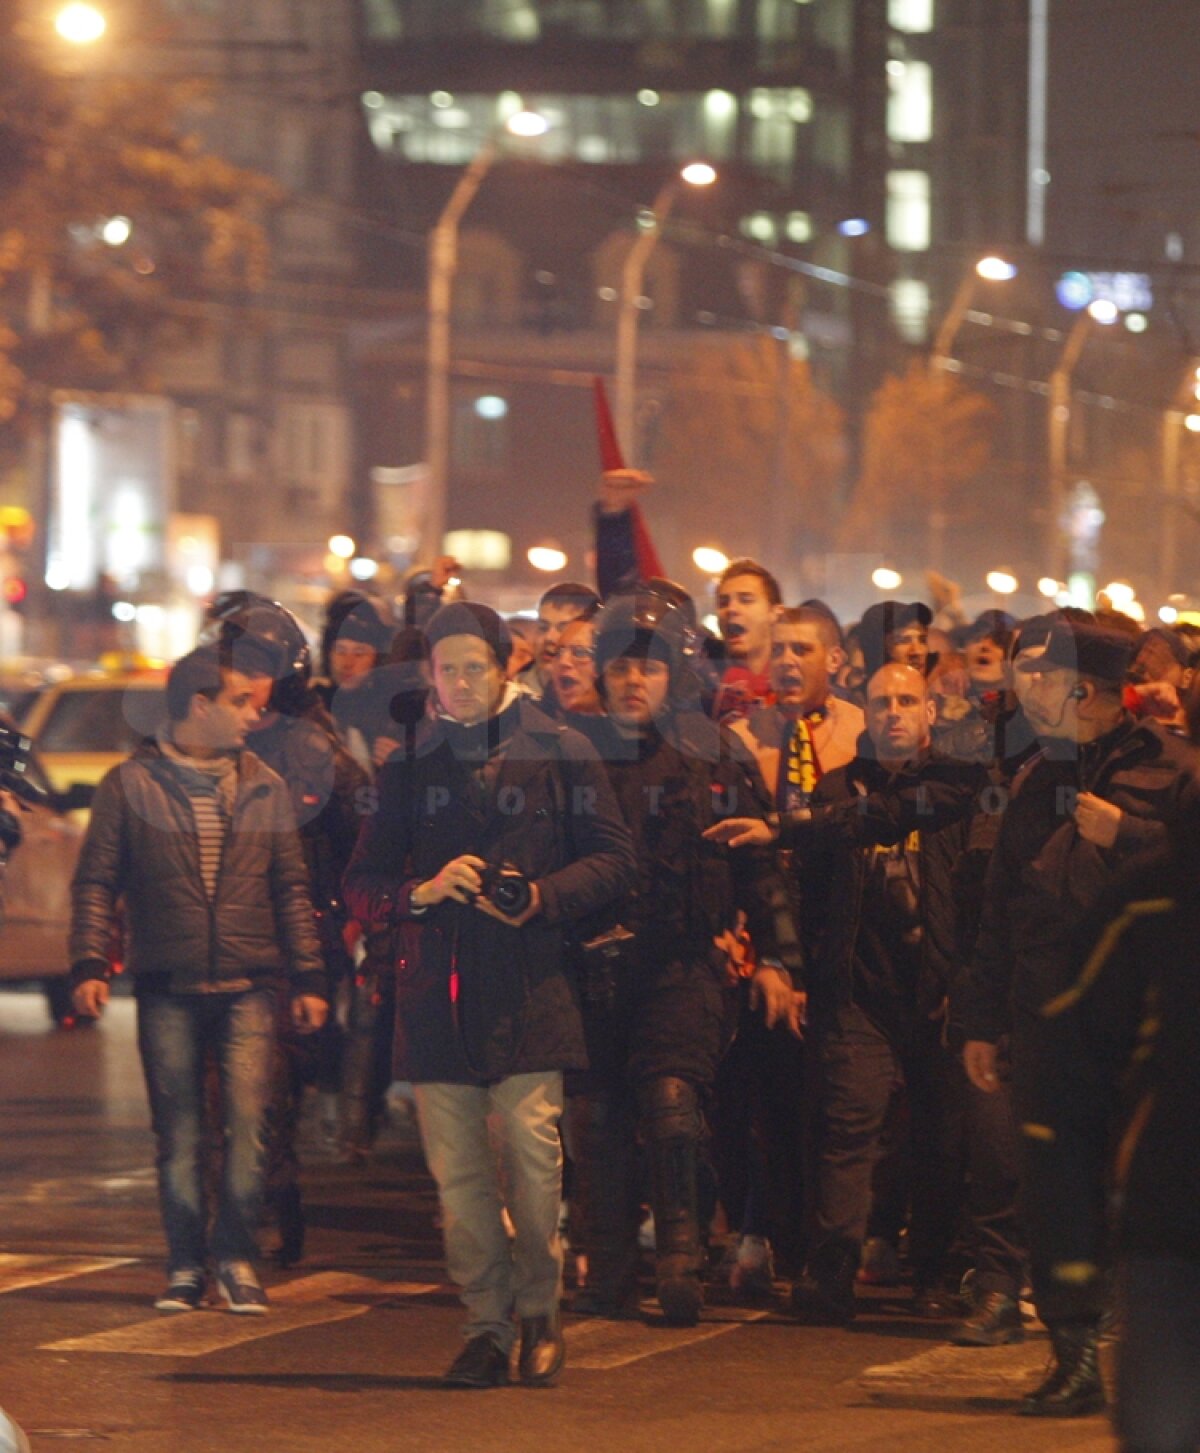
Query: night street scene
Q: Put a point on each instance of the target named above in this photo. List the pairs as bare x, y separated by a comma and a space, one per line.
600, 726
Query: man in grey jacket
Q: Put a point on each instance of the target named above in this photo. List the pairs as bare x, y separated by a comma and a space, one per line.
199, 840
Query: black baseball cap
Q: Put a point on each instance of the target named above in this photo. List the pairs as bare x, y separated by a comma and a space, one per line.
1088, 650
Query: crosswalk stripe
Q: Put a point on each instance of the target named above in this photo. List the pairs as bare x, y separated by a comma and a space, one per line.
308, 1302
18, 1271
607, 1345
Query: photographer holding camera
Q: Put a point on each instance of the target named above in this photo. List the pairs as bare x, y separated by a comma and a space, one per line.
494, 829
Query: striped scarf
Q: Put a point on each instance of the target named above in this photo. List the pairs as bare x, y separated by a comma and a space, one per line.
801, 766
211, 785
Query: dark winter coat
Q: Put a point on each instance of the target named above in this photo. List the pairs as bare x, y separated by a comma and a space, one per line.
672, 784
854, 810
1121, 1050
551, 814
141, 844
1045, 879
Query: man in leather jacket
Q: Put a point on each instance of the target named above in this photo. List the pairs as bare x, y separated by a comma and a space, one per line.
200, 840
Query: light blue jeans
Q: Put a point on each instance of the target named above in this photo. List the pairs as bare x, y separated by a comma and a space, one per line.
176, 1032
478, 1175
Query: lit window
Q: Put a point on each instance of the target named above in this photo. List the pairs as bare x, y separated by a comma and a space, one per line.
910, 309
479, 549
913, 17
799, 227
761, 226
908, 211
910, 101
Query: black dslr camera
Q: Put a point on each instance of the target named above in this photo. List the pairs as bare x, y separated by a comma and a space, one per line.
14, 766
506, 888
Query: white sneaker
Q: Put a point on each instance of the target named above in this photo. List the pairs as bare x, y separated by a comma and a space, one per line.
753, 1269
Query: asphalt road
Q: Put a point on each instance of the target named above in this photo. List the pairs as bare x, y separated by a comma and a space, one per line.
357, 1336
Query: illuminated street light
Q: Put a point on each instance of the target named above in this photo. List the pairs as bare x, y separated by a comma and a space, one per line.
362, 567
695, 174
710, 560
1003, 582
1168, 615
885, 578
699, 174
342, 546
443, 263
1121, 593
1049, 587
117, 231
528, 124
547, 557
996, 269
80, 24
1192, 423
1104, 312
990, 269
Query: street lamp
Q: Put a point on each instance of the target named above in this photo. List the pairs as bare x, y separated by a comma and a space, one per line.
709, 560
1002, 582
991, 269
1096, 316
695, 174
885, 578
80, 24
443, 261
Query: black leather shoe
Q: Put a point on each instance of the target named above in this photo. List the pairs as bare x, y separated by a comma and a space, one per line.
818, 1305
481, 1363
543, 1351
1074, 1388
995, 1322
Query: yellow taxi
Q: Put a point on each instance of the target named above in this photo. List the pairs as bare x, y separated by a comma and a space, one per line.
83, 726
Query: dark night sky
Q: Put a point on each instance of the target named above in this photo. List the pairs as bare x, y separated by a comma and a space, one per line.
1124, 129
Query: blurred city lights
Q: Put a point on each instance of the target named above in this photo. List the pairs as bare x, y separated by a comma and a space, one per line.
649, 98
996, 269
547, 557
116, 231
885, 578
1003, 582
854, 227
342, 546
1192, 423
80, 24
1121, 593
709, 559
362, 567
1049, 587
491, 406
124, 610
1136, 322
1104, 312
527, 124
699, 174
1168, 615
1137, 610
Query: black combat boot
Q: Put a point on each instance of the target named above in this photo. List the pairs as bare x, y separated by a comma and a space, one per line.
824, 1295
1074, 1388
671, 1125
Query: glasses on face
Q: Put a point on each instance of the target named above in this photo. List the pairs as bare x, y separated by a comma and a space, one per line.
579, 654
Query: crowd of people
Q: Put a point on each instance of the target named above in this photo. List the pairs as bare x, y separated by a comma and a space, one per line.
864, 944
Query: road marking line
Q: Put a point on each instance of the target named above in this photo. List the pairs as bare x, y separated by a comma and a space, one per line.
308, 1302
18, 1271
617, 1344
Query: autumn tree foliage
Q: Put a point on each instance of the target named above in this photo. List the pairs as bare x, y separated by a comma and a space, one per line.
757, 447
79, 147
927, 437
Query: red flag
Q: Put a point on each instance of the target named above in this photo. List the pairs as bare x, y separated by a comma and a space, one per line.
610, 450
649, 566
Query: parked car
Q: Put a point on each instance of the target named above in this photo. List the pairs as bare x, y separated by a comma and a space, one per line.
37, 889
84, 726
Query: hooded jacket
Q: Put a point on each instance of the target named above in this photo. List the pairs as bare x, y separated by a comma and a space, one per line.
477, 999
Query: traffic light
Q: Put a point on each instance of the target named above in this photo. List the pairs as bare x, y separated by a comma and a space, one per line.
16, 592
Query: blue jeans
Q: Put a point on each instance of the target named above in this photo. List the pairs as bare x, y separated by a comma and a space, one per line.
176, 1032
1158, 1366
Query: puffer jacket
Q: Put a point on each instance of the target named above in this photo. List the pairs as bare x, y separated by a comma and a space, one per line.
141, 845
476, 999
